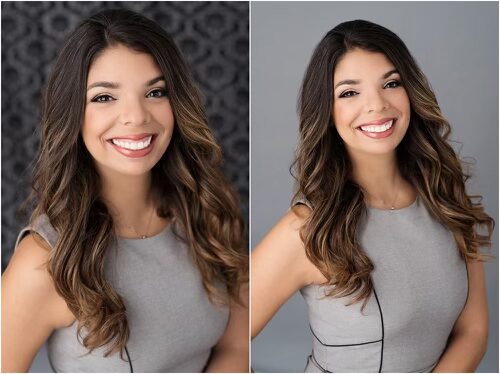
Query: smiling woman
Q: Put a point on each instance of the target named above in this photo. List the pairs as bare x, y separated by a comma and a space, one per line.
127, 110
382, 239
135, 256
357, 101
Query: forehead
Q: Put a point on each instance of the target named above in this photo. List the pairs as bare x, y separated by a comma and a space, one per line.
120, 62
358, 63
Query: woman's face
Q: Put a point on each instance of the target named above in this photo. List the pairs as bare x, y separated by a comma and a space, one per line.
371, 109
128, 119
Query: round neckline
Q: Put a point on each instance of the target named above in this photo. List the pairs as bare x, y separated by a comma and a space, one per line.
149, 238
408, 207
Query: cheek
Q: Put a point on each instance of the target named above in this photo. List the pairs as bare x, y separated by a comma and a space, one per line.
401, 102
93, 127
343, 116
407, 106
165, 117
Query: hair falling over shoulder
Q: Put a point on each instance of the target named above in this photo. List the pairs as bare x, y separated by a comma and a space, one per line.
188, 183
322, 168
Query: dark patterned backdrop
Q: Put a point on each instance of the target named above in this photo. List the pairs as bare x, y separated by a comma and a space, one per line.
212, 35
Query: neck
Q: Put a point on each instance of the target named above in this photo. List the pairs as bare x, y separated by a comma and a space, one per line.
128, 197
378, 176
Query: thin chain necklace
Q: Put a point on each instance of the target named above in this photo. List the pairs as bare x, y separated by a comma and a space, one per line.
147, 227
394, 201
393, 205
145, 235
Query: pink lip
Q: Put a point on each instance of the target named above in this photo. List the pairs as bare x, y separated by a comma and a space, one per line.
134, 153
379, 135
132, 137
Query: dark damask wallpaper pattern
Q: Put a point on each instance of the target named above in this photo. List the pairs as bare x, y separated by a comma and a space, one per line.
212, 35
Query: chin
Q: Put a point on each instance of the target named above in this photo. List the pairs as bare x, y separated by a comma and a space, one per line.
135, 173
135, 170
126, 169
378, 150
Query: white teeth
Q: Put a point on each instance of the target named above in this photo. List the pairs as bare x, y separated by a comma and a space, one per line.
133, 145
377, 128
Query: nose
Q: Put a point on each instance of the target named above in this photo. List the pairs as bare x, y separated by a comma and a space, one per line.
376, 102
133, 112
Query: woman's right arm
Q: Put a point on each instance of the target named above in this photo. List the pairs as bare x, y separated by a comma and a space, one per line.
280, 268
31, 307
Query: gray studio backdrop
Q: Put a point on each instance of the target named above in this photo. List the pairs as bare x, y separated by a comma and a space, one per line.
212, 35
456, 45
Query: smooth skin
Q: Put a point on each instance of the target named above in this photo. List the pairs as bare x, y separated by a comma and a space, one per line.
31, 307
231, 354
280, 266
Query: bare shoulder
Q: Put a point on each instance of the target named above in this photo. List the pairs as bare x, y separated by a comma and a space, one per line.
280, 267
284, 245
31, 307
34, 288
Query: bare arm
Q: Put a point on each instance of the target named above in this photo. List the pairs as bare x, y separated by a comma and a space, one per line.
231, 353
279, 268
31, 308
467, 343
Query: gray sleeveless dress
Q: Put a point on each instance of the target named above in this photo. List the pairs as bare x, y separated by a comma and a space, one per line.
173, 325
421, 287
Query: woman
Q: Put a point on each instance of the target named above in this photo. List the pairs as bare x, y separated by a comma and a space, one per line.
382, 237
134, 258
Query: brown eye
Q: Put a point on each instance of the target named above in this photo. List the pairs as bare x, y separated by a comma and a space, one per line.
102, 99
160, 92
348, 94
393, 84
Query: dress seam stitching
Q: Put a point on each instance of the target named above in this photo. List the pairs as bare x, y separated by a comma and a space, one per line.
315, 363
341, 345
382, 322
129, 360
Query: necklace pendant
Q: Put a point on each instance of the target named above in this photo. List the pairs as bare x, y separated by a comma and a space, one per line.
143, 237
392, 208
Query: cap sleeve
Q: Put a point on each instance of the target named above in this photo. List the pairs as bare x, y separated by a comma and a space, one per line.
41, 225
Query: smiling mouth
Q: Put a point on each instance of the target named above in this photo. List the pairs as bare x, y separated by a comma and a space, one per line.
132, 145
382, 131
377, 128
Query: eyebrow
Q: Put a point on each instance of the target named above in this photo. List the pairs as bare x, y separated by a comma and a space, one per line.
355, 81
113, 85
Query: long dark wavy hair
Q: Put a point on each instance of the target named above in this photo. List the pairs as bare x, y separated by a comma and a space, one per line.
187, 182
323, 170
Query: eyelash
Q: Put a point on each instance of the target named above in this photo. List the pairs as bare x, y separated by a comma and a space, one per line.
160, 90
343, 95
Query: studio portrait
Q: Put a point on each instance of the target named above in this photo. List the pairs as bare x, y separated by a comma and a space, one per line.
125, 187
374, 187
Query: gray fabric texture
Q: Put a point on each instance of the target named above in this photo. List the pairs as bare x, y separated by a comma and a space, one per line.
421, 287
173, 325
